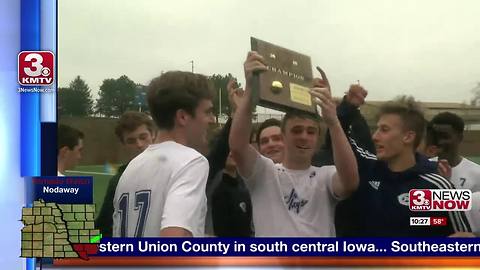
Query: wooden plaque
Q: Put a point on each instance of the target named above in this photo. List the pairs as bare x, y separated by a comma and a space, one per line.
286, 83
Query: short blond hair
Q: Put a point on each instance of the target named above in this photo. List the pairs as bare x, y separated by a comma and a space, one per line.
411, 113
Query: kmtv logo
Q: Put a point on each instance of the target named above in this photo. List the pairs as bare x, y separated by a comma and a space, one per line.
35, 67
440, 199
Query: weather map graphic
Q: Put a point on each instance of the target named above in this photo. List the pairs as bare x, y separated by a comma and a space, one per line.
53, 230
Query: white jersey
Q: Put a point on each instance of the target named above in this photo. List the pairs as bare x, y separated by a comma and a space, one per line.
466, 175
292, 202
474, 214
162, 187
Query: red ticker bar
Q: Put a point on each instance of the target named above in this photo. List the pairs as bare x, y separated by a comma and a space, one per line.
438, 221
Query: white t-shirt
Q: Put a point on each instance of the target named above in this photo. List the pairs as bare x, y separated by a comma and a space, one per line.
162, 187
292, 203
466, 175
474, 214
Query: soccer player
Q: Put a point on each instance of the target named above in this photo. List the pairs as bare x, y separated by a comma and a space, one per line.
136, 131
229, 211
70, 148
162, 190
381, 205
293, 198
447, 133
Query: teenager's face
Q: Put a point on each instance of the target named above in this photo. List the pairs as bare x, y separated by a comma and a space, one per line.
138, 140
73, 156
301, 137
270, 143
448, 140
391, 139
197, 126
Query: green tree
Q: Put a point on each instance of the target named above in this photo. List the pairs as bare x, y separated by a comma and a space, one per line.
116, 96
75, 100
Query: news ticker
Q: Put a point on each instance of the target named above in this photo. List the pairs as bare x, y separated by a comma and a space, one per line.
288, 246
70, 198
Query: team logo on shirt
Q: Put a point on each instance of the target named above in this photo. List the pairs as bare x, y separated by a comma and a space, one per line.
404, 199
243, 206
374, 184
294, 202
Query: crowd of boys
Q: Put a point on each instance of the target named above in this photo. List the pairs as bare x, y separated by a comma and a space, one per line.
278, 181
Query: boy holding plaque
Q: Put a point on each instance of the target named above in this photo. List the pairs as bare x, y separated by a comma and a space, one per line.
293, 198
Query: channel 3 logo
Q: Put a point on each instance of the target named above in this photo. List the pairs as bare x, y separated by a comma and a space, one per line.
440, 199
36, 68
420, 199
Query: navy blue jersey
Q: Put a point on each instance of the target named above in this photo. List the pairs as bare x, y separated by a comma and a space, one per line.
382, 200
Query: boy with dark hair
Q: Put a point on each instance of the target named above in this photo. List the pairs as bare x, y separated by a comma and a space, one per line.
162, 190
447, 131
69, 148
136, 131
269, 140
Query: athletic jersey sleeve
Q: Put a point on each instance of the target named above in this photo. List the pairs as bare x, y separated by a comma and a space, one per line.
365, 158
354, 126
329, 173
186, 203
358, 133
257, 174
456, 220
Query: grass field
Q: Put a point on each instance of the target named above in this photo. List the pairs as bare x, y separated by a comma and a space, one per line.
475, 159
101, 178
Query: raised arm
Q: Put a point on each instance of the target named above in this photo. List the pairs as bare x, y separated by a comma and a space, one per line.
353, 123
242, 152
219, 152
346, 179
220, 149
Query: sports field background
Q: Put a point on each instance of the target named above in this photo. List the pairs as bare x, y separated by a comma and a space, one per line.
100, 181
101, 177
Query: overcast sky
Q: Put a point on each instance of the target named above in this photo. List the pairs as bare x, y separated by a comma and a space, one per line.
429, 48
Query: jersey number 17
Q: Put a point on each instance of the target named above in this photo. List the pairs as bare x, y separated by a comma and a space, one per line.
142, 203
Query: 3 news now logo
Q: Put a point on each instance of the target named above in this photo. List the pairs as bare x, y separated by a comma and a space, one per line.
440, 199
36, 68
